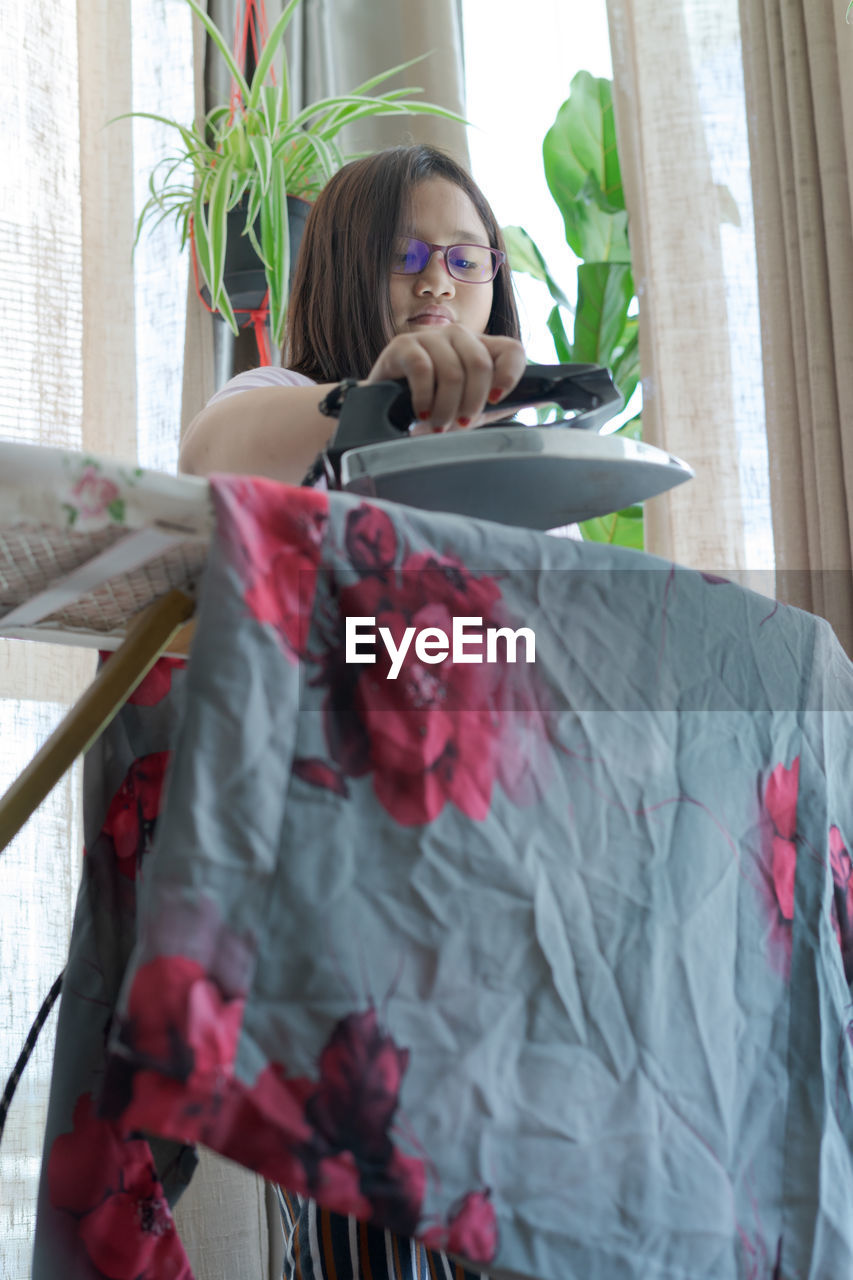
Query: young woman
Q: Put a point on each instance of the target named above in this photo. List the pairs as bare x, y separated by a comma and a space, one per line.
402, 274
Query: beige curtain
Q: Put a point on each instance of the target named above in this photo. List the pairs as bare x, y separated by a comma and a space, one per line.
337, 44
90, 360
678, 206
798, 70
67, 378
687, 124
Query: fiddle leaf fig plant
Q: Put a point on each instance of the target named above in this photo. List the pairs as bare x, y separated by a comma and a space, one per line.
255, 151
581, 164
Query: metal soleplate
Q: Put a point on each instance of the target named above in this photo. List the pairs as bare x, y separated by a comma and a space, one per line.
533, 477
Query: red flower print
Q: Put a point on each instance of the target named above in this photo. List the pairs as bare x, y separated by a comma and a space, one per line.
94, 492
179, 1019
110, 1187
154, 687
780, 802
361, 1070
319, 774
472, 1230
396, 1192
277, 536
263, 1126
179, 1040
780, 798
337, 1185
134, 810
371, 539
435, 733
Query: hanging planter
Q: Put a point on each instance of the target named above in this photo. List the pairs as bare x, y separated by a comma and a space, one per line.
254, 151
244, 277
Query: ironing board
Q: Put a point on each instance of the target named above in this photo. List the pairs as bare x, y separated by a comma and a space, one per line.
101, 554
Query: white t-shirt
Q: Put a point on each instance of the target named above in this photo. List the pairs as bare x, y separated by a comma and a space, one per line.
266, 376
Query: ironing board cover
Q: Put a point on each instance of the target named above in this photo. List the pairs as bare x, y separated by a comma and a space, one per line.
546, 964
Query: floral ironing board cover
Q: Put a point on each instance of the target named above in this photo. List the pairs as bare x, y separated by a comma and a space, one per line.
545, 964
87, 542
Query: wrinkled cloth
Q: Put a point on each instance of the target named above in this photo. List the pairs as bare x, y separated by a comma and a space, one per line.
545, 964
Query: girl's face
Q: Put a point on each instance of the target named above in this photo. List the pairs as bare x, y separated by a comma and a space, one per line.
441, 213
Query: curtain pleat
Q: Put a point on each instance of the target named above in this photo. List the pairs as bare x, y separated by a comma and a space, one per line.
107, 226
676, 211
798, 69
67, 379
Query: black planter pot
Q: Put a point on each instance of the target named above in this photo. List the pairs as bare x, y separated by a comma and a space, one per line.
245, 282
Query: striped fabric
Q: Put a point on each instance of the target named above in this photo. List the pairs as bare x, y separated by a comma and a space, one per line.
320, 1245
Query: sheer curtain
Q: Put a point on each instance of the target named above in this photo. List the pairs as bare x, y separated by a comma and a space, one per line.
798, 66
90, 360
745, 319
681, 124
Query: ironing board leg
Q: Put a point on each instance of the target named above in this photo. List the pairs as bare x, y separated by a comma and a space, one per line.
147, 636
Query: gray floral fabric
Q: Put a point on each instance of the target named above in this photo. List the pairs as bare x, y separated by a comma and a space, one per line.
543, 963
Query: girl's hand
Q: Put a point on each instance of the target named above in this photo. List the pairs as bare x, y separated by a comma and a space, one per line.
454, 374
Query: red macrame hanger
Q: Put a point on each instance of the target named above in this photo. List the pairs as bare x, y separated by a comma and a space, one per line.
254, 27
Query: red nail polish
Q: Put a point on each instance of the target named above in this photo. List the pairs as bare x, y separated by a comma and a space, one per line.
495, 394
423, 415
464, 422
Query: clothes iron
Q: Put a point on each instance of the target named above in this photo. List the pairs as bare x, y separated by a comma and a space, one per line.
537, 477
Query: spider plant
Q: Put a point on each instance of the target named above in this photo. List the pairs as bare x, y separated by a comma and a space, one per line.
255, 151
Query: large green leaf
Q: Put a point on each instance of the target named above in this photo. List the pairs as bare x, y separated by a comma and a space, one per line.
582, 140
582, 171
525, 256
605, 290
562, 346
621, 529
625, 365
593, 234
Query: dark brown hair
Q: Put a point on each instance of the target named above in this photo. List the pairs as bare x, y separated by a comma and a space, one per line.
340, 311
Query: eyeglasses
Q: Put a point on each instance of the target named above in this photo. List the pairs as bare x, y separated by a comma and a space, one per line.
473, 263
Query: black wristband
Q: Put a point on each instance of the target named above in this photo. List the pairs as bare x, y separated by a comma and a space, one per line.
331, 405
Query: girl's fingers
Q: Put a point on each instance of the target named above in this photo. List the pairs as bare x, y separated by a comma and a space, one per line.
406, 357
478, 370
508, 365
453, 374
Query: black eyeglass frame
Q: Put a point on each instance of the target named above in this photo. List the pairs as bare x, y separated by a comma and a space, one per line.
498, 259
